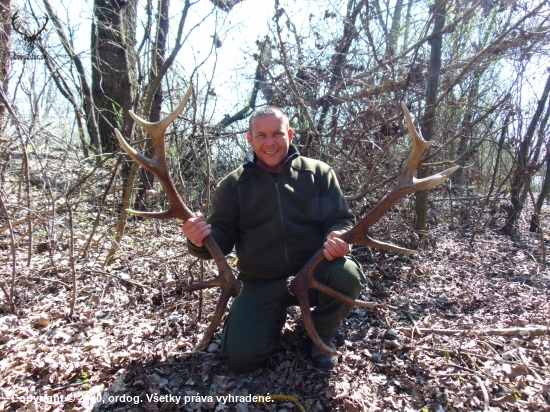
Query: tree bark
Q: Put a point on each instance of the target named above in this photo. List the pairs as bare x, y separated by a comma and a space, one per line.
111, 85
427, 126
154, 111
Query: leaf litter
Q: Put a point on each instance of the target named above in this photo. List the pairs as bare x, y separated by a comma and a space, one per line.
465, 327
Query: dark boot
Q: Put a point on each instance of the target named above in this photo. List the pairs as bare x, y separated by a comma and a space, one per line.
323, 360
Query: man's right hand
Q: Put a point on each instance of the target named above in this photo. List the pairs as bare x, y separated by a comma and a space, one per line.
196, 229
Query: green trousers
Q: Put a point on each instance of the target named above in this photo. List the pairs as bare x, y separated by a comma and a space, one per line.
259, 312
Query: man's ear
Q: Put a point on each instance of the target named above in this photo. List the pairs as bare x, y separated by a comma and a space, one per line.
249, 138
290, 134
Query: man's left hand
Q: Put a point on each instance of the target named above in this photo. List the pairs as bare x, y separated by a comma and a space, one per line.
335, 247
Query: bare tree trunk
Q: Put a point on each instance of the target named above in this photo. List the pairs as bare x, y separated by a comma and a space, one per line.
85, 90
460, 176
153, 112
545, 190
428, 121
395, 27
522, 176
495, 171
111, 85
406, 25
5, 49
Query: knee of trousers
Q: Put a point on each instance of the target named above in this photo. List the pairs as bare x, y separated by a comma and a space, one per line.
344, 275
245, 358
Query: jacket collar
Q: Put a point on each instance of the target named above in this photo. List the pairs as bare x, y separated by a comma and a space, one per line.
250, 159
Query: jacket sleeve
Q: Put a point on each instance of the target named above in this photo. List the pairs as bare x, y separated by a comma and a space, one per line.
336, 213
225, 224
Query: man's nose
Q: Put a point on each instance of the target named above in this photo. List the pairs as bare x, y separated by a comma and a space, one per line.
270, 138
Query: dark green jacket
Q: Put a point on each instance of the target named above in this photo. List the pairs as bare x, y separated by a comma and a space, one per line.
276, 227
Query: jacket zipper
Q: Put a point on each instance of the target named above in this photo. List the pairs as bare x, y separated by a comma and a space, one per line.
281, 218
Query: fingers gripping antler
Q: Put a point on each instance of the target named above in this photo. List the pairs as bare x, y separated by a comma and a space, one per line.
407, 183
226, 281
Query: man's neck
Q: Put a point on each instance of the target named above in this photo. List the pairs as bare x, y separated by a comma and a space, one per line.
271, 169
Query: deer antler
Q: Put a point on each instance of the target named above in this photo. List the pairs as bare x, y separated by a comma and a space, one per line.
226, 281
40, 30
299, 285
27, 35
16, 26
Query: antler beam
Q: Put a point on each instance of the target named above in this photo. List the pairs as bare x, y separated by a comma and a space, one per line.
226, 281
299, 285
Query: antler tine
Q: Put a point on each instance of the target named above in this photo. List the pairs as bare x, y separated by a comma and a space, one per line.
407, 183
43, 26
157, 165
156, 130
217, 317
299, 285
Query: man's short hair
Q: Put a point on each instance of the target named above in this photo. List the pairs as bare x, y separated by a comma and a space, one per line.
266, 111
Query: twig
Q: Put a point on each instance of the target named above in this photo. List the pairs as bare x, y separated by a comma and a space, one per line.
28, 193
526, 332
282, 398
51, 280
292, 374
43, 212
415, 325
124, 213
493, 179
477, 355
201, 279
536, 216
534, 372
9, 295
71, 259
291, 83
141, 285
485, 393
100, 209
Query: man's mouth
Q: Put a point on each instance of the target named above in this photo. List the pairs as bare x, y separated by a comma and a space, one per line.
273, 152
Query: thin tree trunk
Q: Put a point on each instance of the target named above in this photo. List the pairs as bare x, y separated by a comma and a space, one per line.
428, 121
406, 25
545, 190
85, 90
159, 51
495, 171
460, 177
5, 52
395, 27
522, 177
339, 58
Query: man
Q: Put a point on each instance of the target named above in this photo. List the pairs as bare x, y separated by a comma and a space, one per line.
277, 209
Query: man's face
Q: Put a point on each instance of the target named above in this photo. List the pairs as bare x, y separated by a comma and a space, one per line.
270, 137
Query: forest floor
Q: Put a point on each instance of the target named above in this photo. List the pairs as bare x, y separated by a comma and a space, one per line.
465, 327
